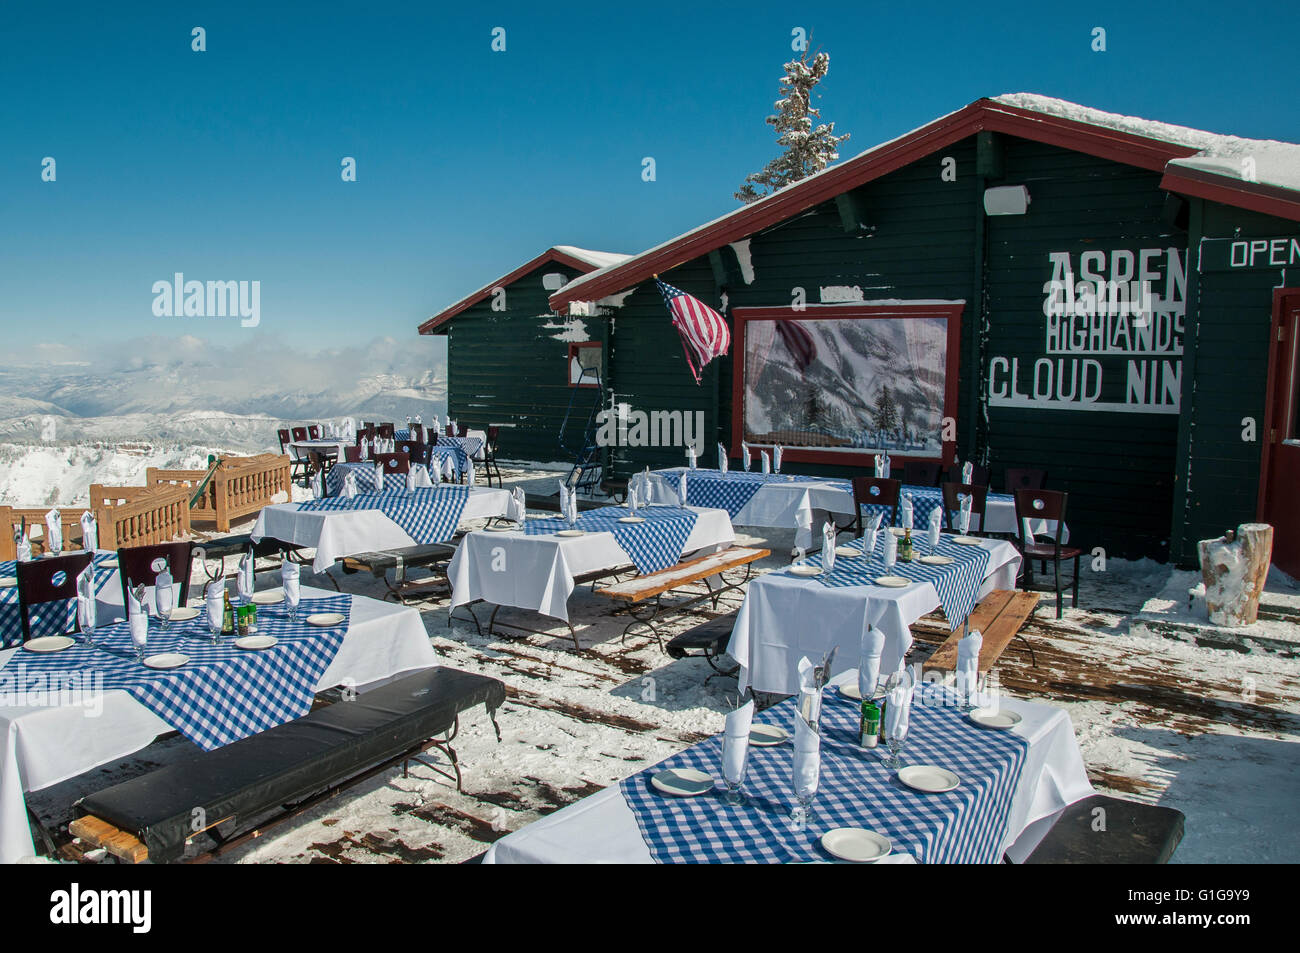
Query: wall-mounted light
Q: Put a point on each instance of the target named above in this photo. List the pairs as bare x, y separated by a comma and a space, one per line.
1006, 200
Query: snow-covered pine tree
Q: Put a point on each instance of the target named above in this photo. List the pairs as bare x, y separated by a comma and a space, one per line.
886, 411
807, 149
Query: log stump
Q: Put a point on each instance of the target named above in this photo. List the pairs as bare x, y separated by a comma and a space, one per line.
1234, 568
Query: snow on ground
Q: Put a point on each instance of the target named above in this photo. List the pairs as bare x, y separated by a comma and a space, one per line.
1210, 731
36, 475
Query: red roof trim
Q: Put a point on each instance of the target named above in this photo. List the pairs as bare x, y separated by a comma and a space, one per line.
551, 254
1254, 196
981, 115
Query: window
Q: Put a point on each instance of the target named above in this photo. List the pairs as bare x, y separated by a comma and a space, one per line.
841, 382
584, 364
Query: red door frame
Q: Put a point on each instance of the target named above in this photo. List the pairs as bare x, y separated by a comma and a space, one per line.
949, 311
1280, 407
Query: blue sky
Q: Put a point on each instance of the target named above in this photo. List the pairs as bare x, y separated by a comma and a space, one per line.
225, 164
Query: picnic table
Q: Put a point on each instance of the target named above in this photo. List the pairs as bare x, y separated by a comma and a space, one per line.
787, 501
336, 526
785, 616
543, 566
1009, 781
110, 713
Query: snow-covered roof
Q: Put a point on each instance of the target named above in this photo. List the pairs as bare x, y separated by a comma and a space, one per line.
1152, 144
582, 259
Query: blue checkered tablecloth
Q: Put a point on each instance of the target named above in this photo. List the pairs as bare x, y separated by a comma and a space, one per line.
223, 693
965, 825
653, 545
459, 459
925, 499
426, 514
958, 583
730, 492
470, 446
365, 479
51, 618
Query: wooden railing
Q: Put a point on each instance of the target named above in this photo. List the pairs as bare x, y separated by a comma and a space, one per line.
12, 517
239, 487
140, 516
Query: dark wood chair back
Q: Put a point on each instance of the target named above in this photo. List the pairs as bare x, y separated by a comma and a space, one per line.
875, 491
385, 431
416, 432
314, 431
394, 462
352, 454
979, 495
136, 566
462, 430
1019, 478
415, 451
52, 579
364, 433
1040, 505
299, 434
449, 431
285, 440
922, 473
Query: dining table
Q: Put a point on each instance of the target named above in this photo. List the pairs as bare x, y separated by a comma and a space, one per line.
63, 714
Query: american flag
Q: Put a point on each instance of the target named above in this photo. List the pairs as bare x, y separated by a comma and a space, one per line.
704, 332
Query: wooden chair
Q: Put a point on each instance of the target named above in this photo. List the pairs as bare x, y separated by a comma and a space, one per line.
415, 451
490, 456
313, 431
979, 475
352, 454
364, 433
136, 566
873, 491
416, 432
952, 505
449, 430
462, 430
299, 434
285, 440
1018, 478
922, 473
385, 431
393, 462
1046, 505
39, 583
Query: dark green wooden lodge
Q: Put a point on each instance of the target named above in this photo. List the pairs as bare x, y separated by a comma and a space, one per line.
1165, 428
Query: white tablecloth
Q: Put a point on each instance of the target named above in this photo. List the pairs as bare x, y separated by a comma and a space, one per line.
786, 617
601, 829
42, 745
338, 533
326, 445
537, 572
794, 504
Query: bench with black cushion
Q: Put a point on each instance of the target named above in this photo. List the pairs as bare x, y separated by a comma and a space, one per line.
1127, 833
708, 641
399, 561
287, 769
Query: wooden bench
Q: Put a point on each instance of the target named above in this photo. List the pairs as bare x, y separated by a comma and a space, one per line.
398, 561
708, 640
237, 792
642, 596
1108, 830
998, 617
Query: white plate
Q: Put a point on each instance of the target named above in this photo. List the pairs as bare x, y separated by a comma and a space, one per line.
682, 782
765, 736
631, 519
326, 619
928, 778
850, 690
897, 530
109, 563
570, 532
965, 540
166, 660
8, 582
999, 718
893, 582
848, 552
501, 528
936, 560
267, 598
855, 844
184, 613
255, 642
49, 643
799, 569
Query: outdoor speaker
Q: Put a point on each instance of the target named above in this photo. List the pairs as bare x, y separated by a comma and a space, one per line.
1006, 200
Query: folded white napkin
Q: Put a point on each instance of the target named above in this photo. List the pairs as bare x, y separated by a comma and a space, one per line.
744, 455
469, 475
932, 530
690, 458
87, 609
364, 448
891, 550
963, 513
810, 693
350, 484
448, 469
735, 742
138, 617
870, 532
967, 471
379, 476
898, 708
807, 758
722, 459
22, 545
317, 485
164, 596
968, 662
870, 647
410, 478
828, 546
214, 598
244, 577
54, 531
882, 465
681, 491
906, 507
1026, 530
290, 581
776, 458
517, 508
89, 532
765, 461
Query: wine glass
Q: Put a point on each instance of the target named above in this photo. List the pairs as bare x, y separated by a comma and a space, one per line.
291, 598
164, 602
216, 611
735, 760
890, 557
898, 704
